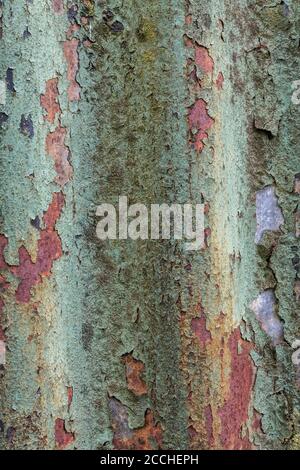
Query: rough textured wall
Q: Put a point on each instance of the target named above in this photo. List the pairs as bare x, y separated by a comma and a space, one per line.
140, 344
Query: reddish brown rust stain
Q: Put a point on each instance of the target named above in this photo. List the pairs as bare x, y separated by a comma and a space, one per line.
199, 123
3, 286
3, 244
2, 335
134, 370
49, 250
3, 283
69, 396
58, 6
57, 149
192, 433
256, 422
149, 437
203, 59
199, 329
49, 101
220, 81
209, 426
71, 55
188, 19
62, 437
87, 43
234, 412
72, 29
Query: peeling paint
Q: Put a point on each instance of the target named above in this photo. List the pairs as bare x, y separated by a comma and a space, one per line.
3, 119
49, 101
220, 81
26, 126
199, 329
57, 149
268, 214
234, 413
2, 352
134, 370
264, 308
203, 59
63, 438
71, 55
49, 250
199, 123
2, 92
149, 437
58, 6
10, 80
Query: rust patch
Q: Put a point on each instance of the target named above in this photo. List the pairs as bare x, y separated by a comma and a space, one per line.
209, 426
3, 244
256, 422
63, 438
234, 412
3, 283
57, 149
134, 370
149, 437
49, 250
3, 286
203, 59
49, 101
69, 396
72, 29
58, 6
199, 329
220, 81
71, 55
199, 123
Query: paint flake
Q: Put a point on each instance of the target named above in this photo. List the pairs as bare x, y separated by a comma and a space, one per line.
268, 214
264, 308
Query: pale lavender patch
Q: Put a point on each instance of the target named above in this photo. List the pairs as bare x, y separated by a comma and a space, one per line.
264, 308
268, 213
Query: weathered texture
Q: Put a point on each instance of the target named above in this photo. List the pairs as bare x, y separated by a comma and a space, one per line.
140, 344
